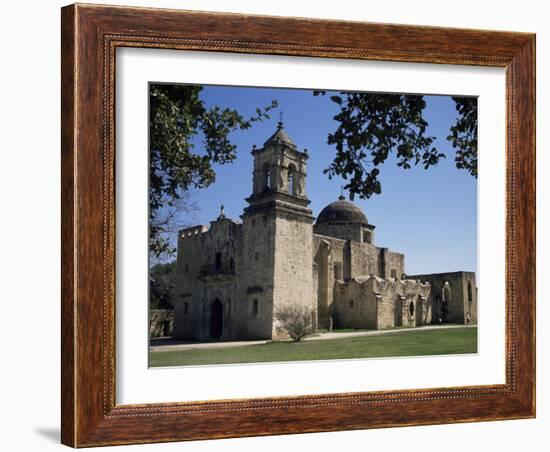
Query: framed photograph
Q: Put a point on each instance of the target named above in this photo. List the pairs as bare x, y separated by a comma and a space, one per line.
282, 225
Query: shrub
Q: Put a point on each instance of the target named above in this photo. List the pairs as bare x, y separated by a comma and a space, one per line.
296, 320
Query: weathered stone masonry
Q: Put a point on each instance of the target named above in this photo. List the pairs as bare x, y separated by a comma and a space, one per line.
232, 276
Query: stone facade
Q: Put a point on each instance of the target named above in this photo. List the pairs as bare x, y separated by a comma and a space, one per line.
234, 275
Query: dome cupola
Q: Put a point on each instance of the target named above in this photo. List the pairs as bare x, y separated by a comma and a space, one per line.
342, 211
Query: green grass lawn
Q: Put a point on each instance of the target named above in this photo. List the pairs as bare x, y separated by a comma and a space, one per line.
409, 343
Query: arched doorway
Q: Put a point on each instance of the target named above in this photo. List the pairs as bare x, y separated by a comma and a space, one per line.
267, 176
446, 301
216, 320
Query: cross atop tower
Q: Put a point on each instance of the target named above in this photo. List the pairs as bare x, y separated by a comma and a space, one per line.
222, 212
280, 124
341, 197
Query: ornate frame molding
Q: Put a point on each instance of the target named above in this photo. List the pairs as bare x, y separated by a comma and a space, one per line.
90, 36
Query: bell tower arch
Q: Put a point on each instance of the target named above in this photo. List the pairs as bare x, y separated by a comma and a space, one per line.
279, 167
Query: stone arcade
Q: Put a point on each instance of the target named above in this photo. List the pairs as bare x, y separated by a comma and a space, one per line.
232, 276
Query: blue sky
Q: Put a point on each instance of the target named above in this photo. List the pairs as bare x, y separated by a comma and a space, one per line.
429, 215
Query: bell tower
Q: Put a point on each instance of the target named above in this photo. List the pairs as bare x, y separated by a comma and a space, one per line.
278, 234
279, 172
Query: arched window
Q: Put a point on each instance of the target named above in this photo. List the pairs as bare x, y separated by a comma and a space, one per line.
470, 297
255, 307
411, 308
446, 293
267, 176
292, 179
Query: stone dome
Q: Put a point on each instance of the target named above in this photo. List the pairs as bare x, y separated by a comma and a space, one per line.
342, 211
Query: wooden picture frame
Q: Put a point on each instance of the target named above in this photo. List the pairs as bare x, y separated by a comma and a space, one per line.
90, 36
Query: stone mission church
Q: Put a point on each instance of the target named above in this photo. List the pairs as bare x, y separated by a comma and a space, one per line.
232, 276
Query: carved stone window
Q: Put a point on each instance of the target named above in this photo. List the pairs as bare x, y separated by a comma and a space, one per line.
292, 179
255, 307
267, 176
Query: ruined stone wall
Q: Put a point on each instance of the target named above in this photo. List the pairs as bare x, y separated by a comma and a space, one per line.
323, 280
453, 296
395, 262
415, 309
470, 304
390, 264
375, 303
386, 310
363, 259
355, 306
328, 256
354, 260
